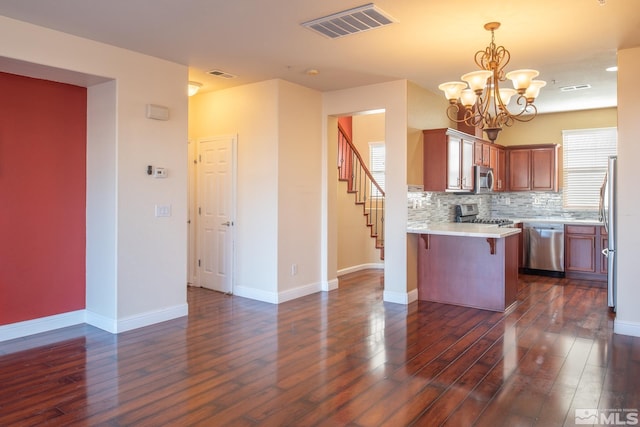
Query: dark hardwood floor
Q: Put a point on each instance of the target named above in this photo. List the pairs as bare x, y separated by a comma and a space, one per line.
333, 359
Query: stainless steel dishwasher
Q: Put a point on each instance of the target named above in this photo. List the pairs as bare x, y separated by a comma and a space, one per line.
543, 246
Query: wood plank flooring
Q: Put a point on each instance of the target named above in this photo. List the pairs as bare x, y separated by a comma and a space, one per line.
333, 359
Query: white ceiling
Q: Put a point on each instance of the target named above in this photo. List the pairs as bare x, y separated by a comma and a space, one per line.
571, 42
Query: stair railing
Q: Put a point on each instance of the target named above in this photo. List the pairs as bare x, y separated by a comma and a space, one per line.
360, 182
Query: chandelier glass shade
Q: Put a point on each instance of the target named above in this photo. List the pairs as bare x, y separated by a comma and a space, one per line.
481, 102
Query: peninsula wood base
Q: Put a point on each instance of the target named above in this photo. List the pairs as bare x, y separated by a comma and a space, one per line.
468, 271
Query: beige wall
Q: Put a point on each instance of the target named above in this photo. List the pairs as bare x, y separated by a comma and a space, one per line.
278, 204
426, 111
299, 188
547, 128
251, 113
628, 315
356, 247
392, 98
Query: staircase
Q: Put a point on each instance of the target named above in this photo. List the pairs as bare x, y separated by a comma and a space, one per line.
353, 170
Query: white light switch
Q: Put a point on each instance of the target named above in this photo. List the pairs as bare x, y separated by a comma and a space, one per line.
163, 210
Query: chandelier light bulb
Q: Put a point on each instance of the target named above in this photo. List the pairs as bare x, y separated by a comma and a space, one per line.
534, 89
506, 94
468, 98
452, 90
522, 79
477, 80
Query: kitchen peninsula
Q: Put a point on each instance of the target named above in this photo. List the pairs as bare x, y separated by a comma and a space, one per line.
472, 265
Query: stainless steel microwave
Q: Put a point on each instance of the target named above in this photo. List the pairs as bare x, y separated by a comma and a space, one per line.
483, 180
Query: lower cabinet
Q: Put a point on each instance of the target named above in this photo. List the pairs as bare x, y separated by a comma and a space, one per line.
583, 246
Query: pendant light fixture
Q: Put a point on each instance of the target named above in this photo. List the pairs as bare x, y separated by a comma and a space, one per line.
482, 103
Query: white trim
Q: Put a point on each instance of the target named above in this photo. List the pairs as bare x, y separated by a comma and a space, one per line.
152, 317
42, 324
330, 285
400, 297
101, 322
277, 298
50, 323
255, 294
299, 292
376, 265
626, 328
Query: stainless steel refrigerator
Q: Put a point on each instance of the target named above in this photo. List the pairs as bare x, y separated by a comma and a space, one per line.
608, 217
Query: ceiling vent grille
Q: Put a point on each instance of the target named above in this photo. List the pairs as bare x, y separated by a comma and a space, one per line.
575, 87
356, 20
221, 74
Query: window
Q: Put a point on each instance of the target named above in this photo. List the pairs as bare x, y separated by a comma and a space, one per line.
376, 165
585, 154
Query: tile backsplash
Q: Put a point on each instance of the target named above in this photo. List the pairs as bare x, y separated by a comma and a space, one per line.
425, 206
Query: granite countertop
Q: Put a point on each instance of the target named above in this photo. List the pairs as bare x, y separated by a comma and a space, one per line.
463, 229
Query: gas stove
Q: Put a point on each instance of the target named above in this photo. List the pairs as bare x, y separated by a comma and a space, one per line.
469, 213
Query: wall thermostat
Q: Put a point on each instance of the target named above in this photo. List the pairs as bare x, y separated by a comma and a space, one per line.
159, 173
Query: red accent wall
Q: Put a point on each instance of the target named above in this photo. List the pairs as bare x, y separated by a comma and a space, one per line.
42, 198
346, 123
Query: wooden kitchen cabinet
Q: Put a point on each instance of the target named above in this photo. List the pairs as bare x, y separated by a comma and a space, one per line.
493, 156
583, 258
481, 153
448, 160
498, 163
532, 168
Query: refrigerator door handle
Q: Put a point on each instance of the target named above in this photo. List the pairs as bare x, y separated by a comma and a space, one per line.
601, 213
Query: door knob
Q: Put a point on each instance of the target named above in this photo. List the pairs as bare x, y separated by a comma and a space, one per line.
228, 223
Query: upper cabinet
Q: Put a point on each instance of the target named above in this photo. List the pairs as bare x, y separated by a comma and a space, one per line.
493, 156
448, 160
532, 167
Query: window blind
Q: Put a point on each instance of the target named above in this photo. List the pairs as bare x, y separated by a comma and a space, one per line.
585, 154
376, 165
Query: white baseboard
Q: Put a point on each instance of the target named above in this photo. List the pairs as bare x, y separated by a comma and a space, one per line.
377, 265
255, 294
152, 317
101, 322
49, 323
277, 298
404, 298
42, 324
330, 285
626, 328
298, 292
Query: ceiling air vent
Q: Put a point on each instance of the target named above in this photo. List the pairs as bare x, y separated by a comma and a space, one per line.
221, 74
575, 87
356, 20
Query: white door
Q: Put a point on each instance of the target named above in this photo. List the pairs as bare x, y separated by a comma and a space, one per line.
216, 174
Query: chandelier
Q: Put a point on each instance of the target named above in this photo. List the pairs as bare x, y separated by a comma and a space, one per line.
484, 104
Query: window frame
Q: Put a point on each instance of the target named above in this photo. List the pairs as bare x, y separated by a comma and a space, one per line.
585, 152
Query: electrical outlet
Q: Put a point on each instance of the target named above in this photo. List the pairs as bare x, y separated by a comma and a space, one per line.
294, 269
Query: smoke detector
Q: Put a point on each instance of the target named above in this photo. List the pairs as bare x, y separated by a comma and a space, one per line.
351, 21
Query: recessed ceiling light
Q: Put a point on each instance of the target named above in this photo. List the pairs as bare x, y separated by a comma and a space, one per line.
613, 69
